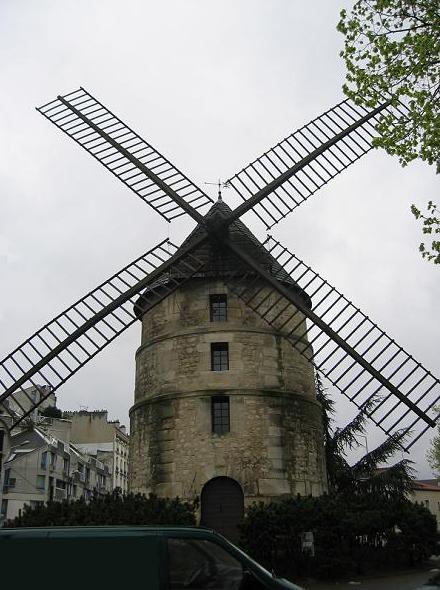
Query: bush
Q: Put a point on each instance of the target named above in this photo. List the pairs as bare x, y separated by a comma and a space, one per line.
351, 536
111, 509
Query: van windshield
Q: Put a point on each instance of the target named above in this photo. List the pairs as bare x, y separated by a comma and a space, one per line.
202, 564
255, 564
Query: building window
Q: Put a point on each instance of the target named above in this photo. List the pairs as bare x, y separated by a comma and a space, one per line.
43, 460
41, 482
218, 308
219, 356
220, 414
2, 436
53, 460
9, 482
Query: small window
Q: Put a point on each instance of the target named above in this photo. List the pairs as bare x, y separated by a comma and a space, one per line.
218, 308
9, 481
219, 356
41, 482
220, 414
43, 464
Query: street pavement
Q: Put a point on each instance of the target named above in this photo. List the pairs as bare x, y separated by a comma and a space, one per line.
408, 580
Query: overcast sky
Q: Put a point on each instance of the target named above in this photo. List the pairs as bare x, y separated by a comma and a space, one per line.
212, 85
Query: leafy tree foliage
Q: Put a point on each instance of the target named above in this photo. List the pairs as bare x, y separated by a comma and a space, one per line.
392, 48
433, 453
430, 227
111, 509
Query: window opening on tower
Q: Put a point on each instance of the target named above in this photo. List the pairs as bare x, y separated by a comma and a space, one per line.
218, 308
219, 356
220, 414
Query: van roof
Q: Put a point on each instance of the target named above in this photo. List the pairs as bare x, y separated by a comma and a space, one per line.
116, 530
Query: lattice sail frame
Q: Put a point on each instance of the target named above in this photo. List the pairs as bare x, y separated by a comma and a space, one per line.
63, 346
336, 139
416, 384
124, 153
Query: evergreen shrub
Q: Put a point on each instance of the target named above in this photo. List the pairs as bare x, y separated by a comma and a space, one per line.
354, 535
113, 508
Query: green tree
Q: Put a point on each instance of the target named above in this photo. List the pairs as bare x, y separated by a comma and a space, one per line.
365, 476
392, 48
433, 453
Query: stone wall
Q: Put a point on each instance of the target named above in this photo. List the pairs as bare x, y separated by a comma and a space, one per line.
275, 444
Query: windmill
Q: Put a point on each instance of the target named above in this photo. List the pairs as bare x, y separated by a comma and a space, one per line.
313, 317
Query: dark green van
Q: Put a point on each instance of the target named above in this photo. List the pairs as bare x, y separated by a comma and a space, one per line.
147, 558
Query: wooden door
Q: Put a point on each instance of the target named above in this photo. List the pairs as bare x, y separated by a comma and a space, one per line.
222, 506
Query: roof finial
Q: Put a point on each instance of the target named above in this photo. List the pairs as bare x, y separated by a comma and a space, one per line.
220, 185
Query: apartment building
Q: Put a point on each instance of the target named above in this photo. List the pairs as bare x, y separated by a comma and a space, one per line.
41, 467
24, 401
106, 440
427, 493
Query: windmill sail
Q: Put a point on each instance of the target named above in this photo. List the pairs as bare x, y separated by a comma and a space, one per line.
58, 350
122, 151
342, 342
314, 154
418, 392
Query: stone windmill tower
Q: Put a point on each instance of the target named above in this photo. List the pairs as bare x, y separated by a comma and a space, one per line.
232, 329
225, 408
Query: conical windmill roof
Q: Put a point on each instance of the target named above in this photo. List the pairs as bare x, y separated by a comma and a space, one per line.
219, 261
240, 234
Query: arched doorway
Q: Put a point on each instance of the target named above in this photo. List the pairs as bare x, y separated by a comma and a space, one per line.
222, 506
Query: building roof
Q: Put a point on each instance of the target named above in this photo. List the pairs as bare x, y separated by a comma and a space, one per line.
28, 441
93, 448
220, 261
426, 485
